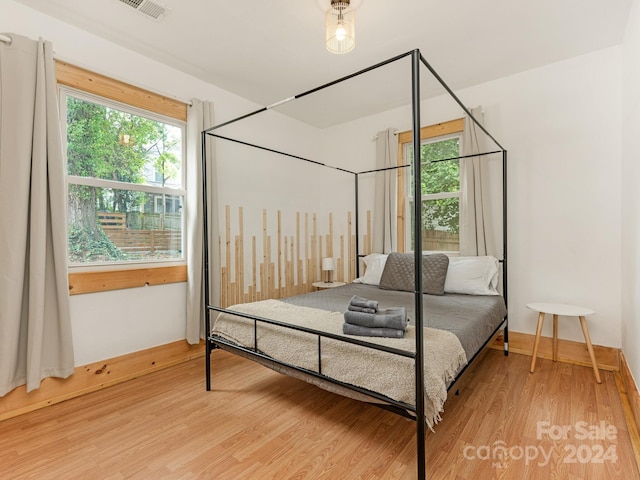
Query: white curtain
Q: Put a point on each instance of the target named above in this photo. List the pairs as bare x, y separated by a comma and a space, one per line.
385, 233
476, 233
200, 117
35, 324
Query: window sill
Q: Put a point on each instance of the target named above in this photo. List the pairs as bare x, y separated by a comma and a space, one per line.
106, 280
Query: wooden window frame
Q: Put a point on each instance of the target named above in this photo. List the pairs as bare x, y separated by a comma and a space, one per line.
426, 133
97, 84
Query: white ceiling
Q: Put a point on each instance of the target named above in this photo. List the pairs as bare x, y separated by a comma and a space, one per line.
268, 50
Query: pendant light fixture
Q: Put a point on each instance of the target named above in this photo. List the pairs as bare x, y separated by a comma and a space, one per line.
340, 27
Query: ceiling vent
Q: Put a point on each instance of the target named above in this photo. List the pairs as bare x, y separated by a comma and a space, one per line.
147, 8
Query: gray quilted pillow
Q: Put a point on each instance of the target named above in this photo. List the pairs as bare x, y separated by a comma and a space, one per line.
399, 273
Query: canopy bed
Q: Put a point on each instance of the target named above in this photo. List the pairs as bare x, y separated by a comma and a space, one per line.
304, 336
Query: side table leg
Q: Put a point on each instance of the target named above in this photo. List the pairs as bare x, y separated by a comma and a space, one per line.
555, 338
537, 341
587, 339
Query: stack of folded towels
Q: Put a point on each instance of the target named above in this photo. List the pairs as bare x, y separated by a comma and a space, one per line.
363, 318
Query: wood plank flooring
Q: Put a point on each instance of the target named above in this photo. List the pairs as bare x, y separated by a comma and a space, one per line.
256, 424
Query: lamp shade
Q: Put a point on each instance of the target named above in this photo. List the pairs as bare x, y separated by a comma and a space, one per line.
328, 264
340, 27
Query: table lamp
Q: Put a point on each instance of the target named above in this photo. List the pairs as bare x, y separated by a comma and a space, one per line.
328, 266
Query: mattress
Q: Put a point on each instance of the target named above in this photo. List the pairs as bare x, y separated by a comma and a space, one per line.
471, 318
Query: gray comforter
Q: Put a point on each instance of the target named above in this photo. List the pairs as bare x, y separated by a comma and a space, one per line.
472, 318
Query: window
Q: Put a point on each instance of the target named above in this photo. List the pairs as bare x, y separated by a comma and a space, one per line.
127, 274
125, 181
125, 150
440, 184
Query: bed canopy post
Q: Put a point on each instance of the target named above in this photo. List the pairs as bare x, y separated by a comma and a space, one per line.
504, 251
205, 259
417, 232
357, 220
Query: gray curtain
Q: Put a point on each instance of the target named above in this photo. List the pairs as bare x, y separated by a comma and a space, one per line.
200, 117
385, 233
35, 324
476, 232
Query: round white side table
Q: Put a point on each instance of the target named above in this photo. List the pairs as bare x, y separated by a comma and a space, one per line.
556, 309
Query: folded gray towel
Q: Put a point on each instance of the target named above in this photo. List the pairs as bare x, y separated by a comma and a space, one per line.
355, 308
395, 318
349, 329
363, 302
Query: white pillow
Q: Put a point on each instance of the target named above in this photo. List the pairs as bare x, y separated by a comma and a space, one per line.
472, 275
374, 266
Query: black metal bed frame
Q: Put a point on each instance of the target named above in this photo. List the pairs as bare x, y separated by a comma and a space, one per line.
403, 408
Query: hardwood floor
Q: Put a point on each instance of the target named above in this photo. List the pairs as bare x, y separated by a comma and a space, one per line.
506, 424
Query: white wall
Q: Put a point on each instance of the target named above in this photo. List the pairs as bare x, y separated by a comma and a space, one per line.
115, 323
561, 127
630, 194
